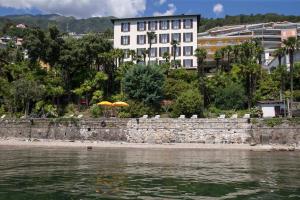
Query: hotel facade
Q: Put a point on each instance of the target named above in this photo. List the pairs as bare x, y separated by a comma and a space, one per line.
131, 34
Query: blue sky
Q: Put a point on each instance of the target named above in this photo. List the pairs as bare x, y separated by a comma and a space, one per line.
132, 8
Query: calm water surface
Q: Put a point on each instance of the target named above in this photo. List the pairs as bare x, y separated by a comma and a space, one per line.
66, 173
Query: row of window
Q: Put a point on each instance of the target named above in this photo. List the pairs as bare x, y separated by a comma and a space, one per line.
163, 25
186, 62
163, 38
187, 51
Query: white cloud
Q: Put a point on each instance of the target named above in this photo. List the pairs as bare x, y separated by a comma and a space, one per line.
161, 2
82, 8
171, 10
218, 8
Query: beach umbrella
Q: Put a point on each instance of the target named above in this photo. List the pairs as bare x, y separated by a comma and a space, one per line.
120, 104
105, 103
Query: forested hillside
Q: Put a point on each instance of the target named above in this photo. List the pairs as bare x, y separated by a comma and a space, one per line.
100, 24
64, 24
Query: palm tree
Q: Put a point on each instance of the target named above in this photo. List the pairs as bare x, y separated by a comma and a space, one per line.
166, 56
279, 53
200, 54
132, 53
151, 36
236, 53
258, 49
144, 54
218, 57
119, 55
174, 44
291, 45
222, 52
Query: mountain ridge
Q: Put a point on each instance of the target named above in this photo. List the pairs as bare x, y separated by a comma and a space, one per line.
101, 24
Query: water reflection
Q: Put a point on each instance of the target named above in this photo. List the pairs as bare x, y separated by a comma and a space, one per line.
35, 173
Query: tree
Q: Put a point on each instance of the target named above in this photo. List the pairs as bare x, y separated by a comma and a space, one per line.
144, 54
291, 45
250, 73
232, 96
218, 57
200, 54
279, 53
144, 84
188, 103
151, 36
26, 91
133, 55
166, 56
174, 44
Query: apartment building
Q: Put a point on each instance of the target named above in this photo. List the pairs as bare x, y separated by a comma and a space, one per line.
131, 34
270, 34
214, 43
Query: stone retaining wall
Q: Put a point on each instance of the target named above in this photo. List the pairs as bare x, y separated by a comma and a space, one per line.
164, 130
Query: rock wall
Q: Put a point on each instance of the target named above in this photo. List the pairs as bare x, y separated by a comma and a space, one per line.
189, 131
284, 133
165, 130
66, 129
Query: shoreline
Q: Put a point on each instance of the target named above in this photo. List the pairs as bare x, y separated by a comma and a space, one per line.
119, 145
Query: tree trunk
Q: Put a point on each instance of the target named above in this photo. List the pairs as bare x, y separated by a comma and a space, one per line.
279, 60
174, 54
292, 80
26, 109
149, 52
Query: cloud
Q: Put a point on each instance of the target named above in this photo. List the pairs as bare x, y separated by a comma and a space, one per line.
171, 10
161, 2
82, 8
218, 8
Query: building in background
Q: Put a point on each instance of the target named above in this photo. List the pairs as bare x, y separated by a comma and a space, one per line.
131, 34
214, 43
270, 34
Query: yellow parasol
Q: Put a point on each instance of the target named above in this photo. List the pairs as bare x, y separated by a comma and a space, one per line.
105, 103
120, 104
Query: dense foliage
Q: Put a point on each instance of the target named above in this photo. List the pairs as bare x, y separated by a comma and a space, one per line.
63, 76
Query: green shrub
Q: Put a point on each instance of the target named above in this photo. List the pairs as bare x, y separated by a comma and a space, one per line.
297, 95
136, 109
2, 110
256, 112
71, 109
45, 108
144, 83
232, 96
96, 111
188, 103
273, 122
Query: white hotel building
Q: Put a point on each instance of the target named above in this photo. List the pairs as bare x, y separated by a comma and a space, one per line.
131, 34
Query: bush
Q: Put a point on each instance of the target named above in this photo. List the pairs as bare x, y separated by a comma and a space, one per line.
297, 95
144, 83
71, 109
96, 111
2, 110
136, 109
188, 103
47, 109
173, 88
232, 96
183, 74
256, 112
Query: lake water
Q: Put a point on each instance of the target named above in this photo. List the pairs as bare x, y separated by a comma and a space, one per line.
67, 173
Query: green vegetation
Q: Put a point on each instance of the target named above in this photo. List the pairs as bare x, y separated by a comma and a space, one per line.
64, 24
273, 122
65, 77
101, 24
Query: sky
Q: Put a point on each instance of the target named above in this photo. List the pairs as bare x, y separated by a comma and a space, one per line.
136, 8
